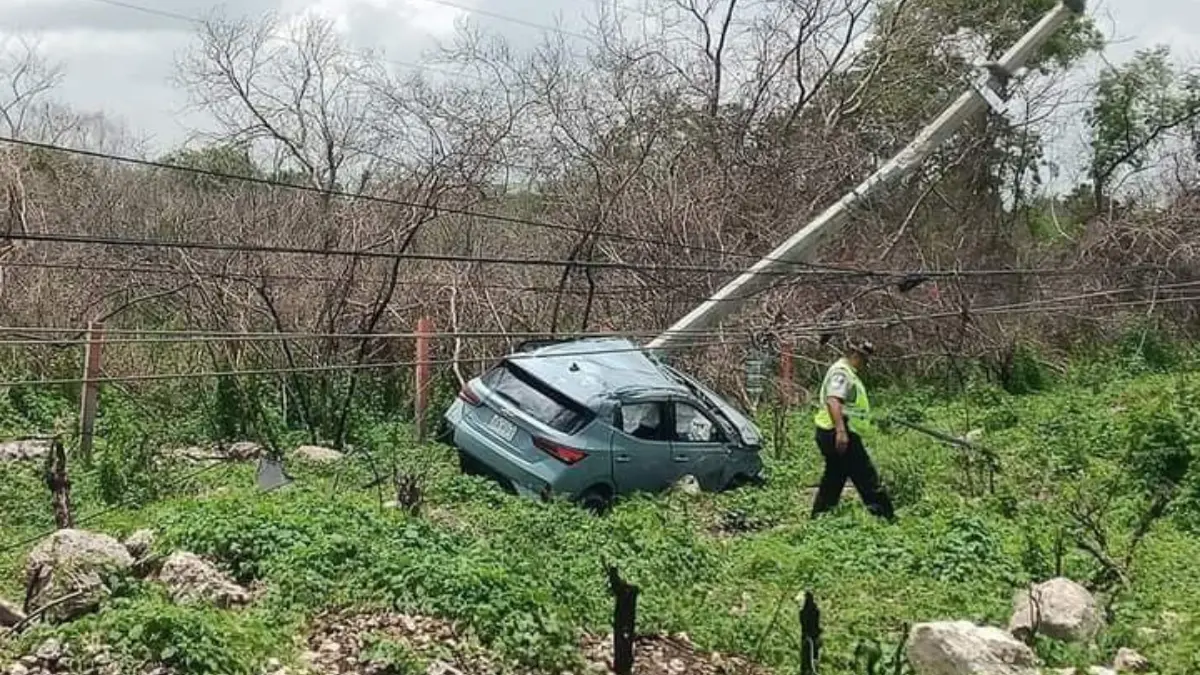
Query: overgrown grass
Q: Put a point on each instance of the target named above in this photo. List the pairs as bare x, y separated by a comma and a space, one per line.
527, 578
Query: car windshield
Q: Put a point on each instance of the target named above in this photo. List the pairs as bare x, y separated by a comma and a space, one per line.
534, 399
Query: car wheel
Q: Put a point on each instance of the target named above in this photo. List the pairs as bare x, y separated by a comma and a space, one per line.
445, 433
597, 500
741, 480
469, 465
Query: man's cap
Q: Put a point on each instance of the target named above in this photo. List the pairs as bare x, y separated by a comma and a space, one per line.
861, 346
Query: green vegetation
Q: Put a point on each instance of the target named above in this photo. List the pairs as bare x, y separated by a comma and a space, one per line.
1084, 456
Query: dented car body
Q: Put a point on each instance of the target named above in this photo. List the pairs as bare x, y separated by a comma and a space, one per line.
593, 418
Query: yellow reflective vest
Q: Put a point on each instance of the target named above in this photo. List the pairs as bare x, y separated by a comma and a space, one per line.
856, 405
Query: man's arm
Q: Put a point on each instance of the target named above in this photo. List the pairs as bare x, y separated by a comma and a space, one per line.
834, 405
840, 390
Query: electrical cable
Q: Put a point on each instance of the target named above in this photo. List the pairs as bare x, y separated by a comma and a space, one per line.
183, 337
70, 238
247, 276
794, 332
167, 336
512, 220
809, 268
83, 239
154, 377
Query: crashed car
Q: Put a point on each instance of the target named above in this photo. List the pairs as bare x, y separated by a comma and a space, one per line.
593, 418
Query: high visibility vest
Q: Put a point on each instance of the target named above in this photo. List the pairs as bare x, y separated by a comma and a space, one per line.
858, 408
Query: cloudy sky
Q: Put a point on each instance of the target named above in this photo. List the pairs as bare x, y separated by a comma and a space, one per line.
119, 59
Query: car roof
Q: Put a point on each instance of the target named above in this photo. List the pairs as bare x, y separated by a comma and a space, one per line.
593, 370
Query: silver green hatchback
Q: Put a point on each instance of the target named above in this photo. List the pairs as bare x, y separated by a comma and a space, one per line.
593, 418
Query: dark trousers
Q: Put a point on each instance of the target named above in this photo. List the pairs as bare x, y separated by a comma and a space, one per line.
854, 463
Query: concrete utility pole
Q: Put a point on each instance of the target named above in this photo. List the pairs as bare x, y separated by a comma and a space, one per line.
727, 300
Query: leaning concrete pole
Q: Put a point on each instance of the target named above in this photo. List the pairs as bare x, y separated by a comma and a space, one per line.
801, 244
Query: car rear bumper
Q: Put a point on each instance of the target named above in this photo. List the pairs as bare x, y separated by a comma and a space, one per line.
535, 480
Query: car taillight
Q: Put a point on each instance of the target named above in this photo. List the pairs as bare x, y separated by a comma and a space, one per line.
560, 452
468, 395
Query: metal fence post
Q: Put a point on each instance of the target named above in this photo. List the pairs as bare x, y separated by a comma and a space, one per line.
91, 389
422, 375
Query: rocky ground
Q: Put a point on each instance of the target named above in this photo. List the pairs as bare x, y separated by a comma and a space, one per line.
346, 644
369, 644
68, 573
53, 657
668, 655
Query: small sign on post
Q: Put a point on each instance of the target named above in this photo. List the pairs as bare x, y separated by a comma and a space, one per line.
91, 389
422, 372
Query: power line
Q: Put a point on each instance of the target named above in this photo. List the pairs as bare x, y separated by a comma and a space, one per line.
251, 277
795, 333
802, 330
511, 19
512, 220
156, 377
149, 10
673, 291
70, 238
186, 337
176, 336
1011, 308
810, 268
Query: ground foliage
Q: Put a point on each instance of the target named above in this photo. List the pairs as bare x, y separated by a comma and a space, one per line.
1083, 454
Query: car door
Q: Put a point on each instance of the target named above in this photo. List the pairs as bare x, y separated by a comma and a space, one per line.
641, 447
698, 445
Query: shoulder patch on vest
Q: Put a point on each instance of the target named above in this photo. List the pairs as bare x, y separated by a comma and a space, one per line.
840, 386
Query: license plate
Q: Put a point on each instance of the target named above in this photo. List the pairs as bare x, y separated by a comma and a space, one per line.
502, 427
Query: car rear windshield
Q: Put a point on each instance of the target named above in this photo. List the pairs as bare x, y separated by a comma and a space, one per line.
535, 399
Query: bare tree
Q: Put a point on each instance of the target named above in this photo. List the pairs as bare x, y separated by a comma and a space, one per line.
28, 80
292, 89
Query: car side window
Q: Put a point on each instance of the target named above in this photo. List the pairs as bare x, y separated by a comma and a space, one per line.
642, 420
693, 426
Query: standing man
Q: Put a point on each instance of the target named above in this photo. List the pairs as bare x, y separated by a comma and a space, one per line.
843, 399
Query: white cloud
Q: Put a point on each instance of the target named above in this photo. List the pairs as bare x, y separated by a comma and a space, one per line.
353, 16
437, 20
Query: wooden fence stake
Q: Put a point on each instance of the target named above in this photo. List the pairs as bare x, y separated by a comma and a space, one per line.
422, 371
624, 622
91, 389
810, 635
60, 485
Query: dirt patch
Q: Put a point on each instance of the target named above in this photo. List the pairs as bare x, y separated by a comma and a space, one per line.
53, 657
668, 655
737, 523
385, 643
